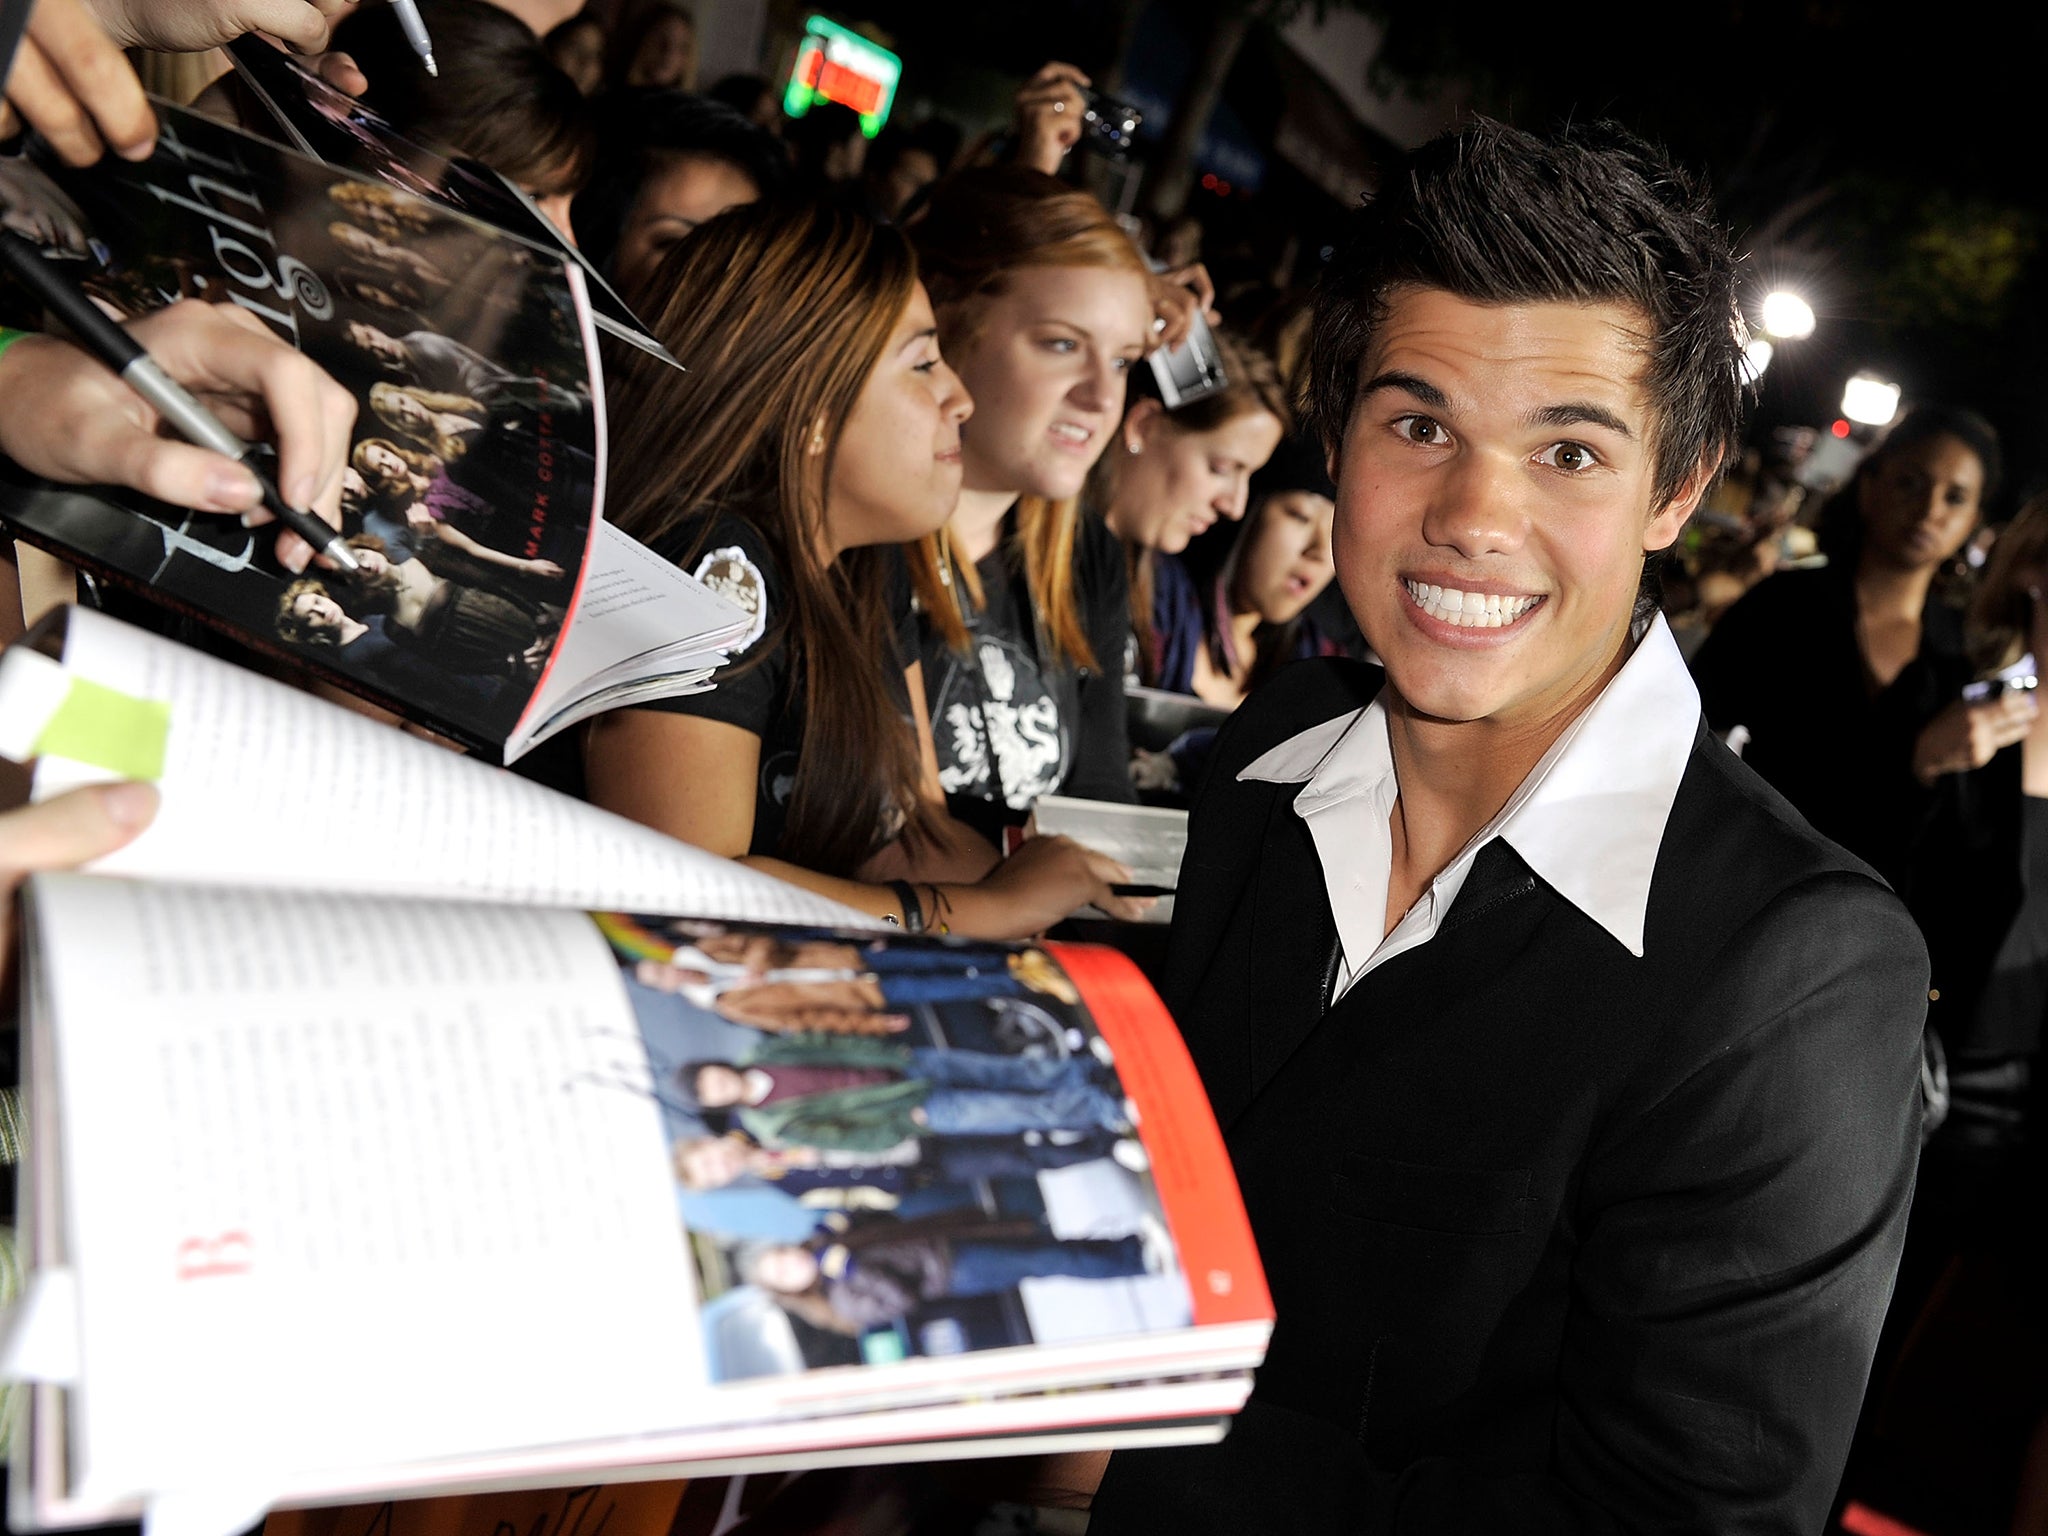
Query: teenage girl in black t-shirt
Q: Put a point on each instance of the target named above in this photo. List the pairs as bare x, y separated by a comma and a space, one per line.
815, 429
1045, 306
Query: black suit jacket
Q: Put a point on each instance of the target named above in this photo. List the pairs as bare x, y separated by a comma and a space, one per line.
1559, 1239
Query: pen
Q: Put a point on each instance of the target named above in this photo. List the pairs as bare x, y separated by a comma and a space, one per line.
140, 372
415, 31
1141, 890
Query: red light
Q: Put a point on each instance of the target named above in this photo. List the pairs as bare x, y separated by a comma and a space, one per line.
838, 83
1223, 189
1840, 428
1209, 182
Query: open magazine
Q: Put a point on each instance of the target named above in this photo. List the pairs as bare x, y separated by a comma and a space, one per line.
333, 126
491, 1141
498, 608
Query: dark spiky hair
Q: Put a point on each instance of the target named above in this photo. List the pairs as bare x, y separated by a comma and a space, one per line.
1591, 215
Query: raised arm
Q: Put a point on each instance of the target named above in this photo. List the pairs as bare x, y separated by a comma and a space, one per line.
694, 778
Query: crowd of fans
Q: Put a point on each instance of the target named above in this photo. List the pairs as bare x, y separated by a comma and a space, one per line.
918, 428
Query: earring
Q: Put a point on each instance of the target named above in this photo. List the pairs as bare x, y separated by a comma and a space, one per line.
818, 439
1132, 446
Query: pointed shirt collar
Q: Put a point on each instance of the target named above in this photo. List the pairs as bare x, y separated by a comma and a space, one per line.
1589, 819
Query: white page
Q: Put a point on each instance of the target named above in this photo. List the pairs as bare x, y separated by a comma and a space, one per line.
264, 785
633, 604
1149, 840
401, 1150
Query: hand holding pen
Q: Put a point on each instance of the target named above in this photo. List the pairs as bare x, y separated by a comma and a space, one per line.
66, 416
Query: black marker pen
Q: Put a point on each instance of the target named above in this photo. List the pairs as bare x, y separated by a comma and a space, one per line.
141, 373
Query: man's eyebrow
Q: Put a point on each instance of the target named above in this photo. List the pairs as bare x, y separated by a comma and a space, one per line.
1581, 413
1408, 383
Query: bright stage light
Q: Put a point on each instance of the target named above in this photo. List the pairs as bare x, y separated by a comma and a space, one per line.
1787, 316
1870, 400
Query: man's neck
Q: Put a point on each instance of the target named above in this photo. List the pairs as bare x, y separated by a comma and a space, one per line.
1453, 777
977, 522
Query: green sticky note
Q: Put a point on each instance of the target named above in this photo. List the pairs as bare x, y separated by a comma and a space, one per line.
108, 729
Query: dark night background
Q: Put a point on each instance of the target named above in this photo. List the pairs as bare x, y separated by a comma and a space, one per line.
1882, 160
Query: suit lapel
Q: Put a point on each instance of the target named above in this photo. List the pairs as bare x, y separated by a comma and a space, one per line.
1294, 940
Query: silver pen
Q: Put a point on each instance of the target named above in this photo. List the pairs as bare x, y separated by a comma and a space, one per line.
416, 33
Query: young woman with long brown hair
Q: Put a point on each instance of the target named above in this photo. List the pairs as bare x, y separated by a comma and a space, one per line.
1174, 472
817, 429
1045, 306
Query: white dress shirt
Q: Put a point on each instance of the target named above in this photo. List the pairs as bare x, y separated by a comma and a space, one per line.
1588, 819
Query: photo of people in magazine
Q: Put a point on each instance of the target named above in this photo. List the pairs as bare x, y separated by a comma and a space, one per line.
892, 1147
471, 481
337, 128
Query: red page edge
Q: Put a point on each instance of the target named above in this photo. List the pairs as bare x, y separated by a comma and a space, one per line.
1190, 1165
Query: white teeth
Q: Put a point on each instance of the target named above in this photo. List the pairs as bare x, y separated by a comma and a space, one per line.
1070, 432
1468, 610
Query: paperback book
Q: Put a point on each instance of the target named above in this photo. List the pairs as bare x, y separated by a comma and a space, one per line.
333, 126
495, 606
494, 1142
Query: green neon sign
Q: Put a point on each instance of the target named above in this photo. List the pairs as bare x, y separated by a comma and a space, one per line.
833, 64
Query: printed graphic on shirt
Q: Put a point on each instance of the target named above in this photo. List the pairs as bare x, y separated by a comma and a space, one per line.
1016, 716
778, 778
730, 574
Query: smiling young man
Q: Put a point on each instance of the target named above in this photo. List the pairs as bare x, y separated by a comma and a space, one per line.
1570, 1077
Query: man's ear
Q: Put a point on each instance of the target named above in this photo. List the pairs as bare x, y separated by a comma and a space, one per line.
1669, 521
1143, 416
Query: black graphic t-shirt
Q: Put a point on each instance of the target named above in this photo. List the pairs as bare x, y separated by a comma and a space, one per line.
1009, 721
758, 690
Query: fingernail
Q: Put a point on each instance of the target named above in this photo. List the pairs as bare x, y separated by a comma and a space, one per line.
138, 151
231, 486
129, 804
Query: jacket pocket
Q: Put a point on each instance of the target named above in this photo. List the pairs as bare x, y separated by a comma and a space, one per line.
1431, 1197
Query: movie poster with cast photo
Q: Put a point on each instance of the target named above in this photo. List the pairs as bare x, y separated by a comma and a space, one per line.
887, 1147
472, 484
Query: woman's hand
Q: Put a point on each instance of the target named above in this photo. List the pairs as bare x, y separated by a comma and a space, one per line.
63, 832
70, 83
191, 26
1046, 880
1177, 297
1049, 110
546, 569
65, 415
1966, 736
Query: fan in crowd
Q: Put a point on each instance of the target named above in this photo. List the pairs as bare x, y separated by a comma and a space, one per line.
1045, 306
817, 427
666, 162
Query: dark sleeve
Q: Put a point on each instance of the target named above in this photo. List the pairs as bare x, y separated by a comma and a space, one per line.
1176, 624
751, 689
1102, 734
1743, 1221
